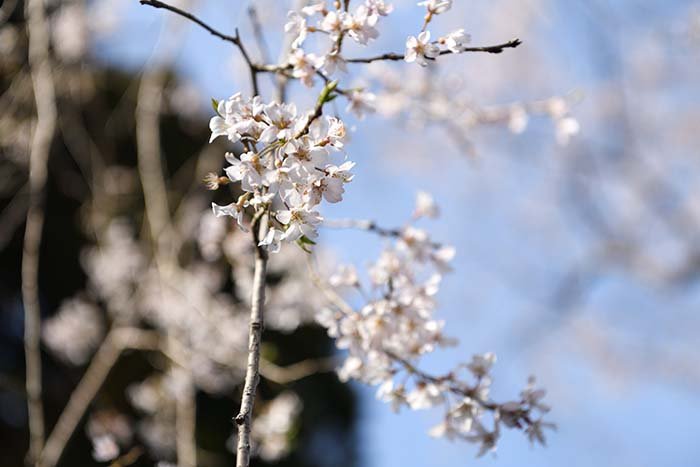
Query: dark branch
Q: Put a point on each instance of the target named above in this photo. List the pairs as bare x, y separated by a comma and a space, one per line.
257, 68
236, 40
158, 4
492, 49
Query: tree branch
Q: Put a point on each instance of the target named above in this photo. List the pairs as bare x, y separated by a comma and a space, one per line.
150, 167
236, 40
158, 4
244, 417
44, 95
296, 371
492, 49
106, 356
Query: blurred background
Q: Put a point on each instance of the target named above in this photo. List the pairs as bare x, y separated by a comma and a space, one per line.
567, 173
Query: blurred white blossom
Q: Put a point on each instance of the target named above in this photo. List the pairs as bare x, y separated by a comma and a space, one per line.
74, 331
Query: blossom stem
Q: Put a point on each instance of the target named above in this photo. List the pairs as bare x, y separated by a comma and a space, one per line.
244, 417
318, 109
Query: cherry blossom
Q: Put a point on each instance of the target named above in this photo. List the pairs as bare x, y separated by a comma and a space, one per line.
455, 41
387, 335
425, 206
360, 25
286, 162
361, 103
294, 168
436, 7
304, 66
419, 49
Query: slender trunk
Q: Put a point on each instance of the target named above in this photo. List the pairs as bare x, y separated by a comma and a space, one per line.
245, 415
44, 96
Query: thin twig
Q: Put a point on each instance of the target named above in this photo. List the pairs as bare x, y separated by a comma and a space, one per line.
280, 69
369, 226
361, 224
152, 176
296, 371
318, 109
331, 295
492, 49
244, 417
45, 97
262, 45
236, 39
148, 150
258, 34
158, 4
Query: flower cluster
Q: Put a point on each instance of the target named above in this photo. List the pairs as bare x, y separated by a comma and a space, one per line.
287, 168
333, 24
75, 331
395, 327
399, 321
420, 48
359, 25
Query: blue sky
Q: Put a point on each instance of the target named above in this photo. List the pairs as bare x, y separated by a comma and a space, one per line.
493, 300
